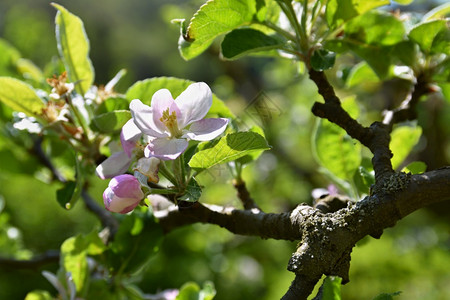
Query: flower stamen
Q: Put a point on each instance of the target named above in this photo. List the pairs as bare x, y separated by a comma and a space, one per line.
170, 120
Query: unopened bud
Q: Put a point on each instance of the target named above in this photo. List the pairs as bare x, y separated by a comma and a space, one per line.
123, 194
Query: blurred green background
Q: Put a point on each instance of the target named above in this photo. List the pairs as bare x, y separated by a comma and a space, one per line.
137, 35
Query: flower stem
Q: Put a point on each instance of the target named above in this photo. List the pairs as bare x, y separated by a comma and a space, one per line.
166, 173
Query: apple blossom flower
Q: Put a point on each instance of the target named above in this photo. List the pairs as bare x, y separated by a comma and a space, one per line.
170, 124
123, 194
119, 162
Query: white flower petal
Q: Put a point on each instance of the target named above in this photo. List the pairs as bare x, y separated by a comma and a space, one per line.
207, 129
165, 149
114, 165
194, 103
129, 135
143, 118
161, 101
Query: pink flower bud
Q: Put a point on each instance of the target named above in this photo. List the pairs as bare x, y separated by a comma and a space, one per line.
123, 194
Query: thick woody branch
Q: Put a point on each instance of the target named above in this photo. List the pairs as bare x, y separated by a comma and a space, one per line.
376, 137
245, 222
328, 239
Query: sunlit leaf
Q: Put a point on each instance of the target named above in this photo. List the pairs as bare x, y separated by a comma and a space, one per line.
19, 96
331, 288
229, 148
404, 2
191, 290
144, 90
73, 46
416, 167
240, 42
361, 73
403, 139
73, 260
335, 149
376, 28
38, 295
424, 34
437, 12
340, 11
214, 18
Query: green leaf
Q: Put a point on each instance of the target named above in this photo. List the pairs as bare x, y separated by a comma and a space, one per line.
38, 295
361, 73
424, 34
336, 150
331, 288
193, 191
19, 96
73, 260
405, 52
136, 241
403, 139
378, 58
363, 179
376, 28
191, 291
144, 90
214, 18
29, 70
255, 154
112, 121
438, 12
386, 296
416, 167
73, 46
111, 104
340, 11
240, 42
68, 195
228, 148
404, 2
322, 60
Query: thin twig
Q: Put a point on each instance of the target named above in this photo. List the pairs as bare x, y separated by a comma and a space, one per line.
50, 256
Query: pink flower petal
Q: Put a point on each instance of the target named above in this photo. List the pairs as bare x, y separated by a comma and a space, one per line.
114, 165
165, 149
194, 103
129, 135
143, 118
161, 101
207, 129
123, 194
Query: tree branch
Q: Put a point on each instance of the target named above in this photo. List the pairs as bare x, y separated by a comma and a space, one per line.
50, 256
245, 222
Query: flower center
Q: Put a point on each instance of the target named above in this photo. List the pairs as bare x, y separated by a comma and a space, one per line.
170, 120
